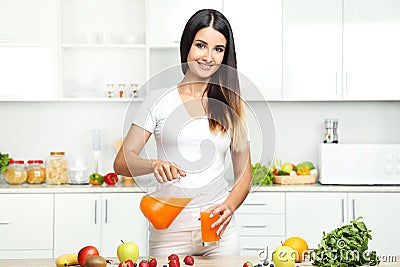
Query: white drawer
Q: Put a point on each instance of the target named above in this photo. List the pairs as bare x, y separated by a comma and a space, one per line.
26, 221
263, 202
253, 246
260, 224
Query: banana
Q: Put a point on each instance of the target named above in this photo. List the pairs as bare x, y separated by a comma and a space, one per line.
67, 260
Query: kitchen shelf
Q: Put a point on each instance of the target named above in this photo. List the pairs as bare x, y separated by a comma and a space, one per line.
141, 46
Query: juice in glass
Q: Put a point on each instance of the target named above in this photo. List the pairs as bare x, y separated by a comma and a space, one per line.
161, 212
208, 235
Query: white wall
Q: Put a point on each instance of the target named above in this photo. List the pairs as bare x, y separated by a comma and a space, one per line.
33, 129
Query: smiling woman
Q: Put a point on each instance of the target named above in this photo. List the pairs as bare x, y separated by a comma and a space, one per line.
195, 123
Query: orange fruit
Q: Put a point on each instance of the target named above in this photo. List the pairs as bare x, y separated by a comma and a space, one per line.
298, 244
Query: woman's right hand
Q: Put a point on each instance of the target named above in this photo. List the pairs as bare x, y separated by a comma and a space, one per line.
165, 171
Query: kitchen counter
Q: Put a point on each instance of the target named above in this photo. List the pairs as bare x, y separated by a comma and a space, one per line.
133, 188
199, 262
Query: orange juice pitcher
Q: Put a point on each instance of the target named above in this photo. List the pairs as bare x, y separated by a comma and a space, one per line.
163, 206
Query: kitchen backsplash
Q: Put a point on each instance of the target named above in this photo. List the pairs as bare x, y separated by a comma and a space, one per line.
30, 130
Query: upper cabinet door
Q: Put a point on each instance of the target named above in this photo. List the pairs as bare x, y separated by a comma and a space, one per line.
312, 49
26, 22
258, 41
371, 53
167, 19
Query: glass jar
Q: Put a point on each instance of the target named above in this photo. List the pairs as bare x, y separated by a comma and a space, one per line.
16, 172
121, 90
36, 172
57, 168
133, 90
110, 90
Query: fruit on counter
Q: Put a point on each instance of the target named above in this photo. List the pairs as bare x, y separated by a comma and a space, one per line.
174, 262
144, 263
85, 253
128, 251
111, 178
152, 261
188, 260
96, 179
298, 244
341, 246
173, 256
307, 164
284, 256
95, 261
127, 263
287, 167
67, 260
247, 264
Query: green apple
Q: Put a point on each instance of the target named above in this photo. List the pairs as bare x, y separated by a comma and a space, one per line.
128, 251
284, 256
287, 167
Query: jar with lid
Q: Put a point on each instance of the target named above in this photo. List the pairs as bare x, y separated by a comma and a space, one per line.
121, 90
110, 90
57, 168
36, 172
16, 172
133, 90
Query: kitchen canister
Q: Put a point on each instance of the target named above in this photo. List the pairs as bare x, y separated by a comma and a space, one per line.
16, 172
57, 168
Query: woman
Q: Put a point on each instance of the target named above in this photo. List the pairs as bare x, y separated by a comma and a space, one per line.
195, 123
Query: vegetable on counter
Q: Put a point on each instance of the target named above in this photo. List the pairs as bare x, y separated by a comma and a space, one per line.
96, 179
111, 178
345, 246
262, 175
4, 159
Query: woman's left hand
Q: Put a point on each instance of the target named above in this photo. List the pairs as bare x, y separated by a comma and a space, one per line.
225, 217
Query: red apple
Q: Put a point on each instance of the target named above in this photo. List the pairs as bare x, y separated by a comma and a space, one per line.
85, 253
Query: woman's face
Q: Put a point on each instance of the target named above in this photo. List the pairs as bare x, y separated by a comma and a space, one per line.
206, 53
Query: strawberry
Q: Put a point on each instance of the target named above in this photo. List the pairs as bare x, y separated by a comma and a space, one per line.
247, 264
173, 256
144, 263
174, 263
188, 260
152, 262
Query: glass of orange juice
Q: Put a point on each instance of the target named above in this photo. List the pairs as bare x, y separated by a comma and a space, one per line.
208, 235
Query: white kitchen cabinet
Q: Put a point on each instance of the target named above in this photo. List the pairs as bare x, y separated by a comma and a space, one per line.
260, 221
380, 214
371, 53
336, 50
26, 225
308, 214
101, 220
312, 49
28, 50
258, 46
28, 23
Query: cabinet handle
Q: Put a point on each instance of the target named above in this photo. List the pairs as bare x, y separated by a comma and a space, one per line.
95, 212
342, 210
106, 211
354, 209
347, 90
254, 226
255, 204
336, 84
4, 222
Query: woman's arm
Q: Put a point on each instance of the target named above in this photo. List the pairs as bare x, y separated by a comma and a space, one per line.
128, 163
243, 176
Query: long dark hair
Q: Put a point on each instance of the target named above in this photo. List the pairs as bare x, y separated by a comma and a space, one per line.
225, 107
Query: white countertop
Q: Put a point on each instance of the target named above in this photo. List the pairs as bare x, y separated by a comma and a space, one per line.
133, 188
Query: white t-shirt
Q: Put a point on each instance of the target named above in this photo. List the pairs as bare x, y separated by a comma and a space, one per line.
189, 143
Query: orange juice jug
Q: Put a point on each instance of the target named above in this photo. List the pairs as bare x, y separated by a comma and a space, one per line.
163, 206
